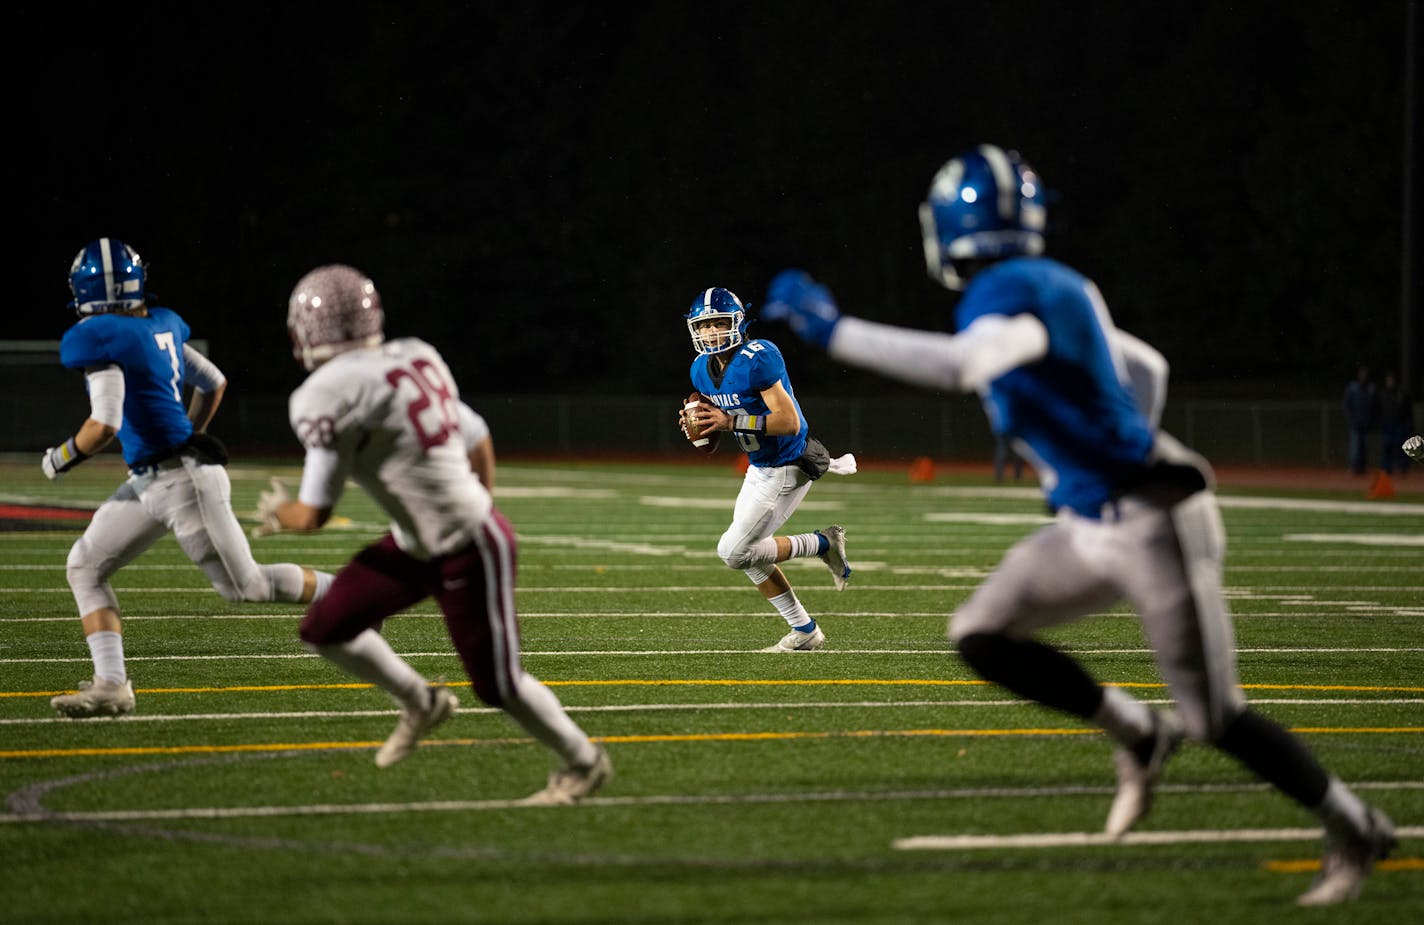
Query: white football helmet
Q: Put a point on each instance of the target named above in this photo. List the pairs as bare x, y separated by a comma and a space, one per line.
333, 309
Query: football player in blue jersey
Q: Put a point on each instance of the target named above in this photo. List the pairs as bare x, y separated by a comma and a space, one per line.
136, 361
1137, 517
746, 390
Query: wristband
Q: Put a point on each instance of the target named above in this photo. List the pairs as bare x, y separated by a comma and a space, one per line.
69, 454
749, 423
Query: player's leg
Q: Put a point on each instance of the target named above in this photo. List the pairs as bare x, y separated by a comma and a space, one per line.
343, 627
1189, 627
767, 499
208, 531
1062, 572
476, 595
119, 531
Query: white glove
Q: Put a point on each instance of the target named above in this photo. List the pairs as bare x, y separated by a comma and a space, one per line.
58, 460
267, 503
1414, 448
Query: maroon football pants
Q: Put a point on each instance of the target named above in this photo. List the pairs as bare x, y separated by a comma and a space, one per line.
474, 588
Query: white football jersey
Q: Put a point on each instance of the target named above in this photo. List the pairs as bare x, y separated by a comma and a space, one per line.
391, 415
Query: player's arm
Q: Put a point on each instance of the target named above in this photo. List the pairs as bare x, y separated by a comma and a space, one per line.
106, 416
1147, 370
1414, 448
475, 432
323, 476
209, 386
965, 362
780, 420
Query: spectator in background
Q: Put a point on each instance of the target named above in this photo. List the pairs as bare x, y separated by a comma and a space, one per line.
1361, 416
1396, 421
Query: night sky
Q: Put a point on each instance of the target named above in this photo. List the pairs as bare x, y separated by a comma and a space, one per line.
540, 189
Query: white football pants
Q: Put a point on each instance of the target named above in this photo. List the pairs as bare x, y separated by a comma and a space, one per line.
767, 500
194, 502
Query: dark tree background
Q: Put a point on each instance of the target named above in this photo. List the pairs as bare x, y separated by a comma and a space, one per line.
540, 188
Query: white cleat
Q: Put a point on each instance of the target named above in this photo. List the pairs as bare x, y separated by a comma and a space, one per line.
797, 641
570, 784
1348, 861
835, 555
1136, 780
413, 726
99, 697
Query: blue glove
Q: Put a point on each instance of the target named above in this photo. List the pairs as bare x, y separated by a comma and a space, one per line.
804, 304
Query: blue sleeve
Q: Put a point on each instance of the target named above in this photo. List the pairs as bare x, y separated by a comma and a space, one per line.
84, 345
995, 293
768, 366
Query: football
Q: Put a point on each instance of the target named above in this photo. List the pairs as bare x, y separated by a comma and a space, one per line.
707, 442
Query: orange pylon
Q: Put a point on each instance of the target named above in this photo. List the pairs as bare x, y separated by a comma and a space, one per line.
743, 463
922, 469
1382, 487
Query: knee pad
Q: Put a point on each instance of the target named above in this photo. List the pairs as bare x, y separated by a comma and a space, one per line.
87, 580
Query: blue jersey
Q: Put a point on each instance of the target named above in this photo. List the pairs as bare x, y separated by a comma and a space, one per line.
756, 366
149, 350
1072, 412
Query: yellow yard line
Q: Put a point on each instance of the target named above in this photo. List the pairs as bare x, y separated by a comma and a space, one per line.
625, 739
1306, 866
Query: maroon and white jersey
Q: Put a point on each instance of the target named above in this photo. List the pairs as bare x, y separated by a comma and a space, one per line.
388, 417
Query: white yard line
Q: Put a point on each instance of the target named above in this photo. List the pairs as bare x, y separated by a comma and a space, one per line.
1100, 840
446, 806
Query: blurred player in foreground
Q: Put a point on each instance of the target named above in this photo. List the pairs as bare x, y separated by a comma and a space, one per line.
136, 361
1137, 516
742, 386
388, 415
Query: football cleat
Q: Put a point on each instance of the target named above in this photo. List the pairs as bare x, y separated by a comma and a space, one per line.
1348, 861
333, 309
570, 784
835, 555
413, 726
1135, 780
99, 697
797, 641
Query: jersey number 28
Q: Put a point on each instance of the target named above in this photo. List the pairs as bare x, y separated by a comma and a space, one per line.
434, 394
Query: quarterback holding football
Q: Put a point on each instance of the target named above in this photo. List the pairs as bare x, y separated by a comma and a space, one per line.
741, 387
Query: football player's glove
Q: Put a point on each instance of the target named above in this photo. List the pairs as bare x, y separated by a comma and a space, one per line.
58, 460
1414, 447
267, 503
804, 304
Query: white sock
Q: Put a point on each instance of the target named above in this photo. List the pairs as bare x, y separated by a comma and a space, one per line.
763, 552
804, 545
791, 610
1123, 717
1341, 811
107, 649
370, 658
538, 712
323, 584
287, 581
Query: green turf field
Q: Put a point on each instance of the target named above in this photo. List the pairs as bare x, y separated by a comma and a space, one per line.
750, 787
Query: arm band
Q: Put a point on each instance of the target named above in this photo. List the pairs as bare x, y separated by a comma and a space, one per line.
69, 454
749, 423
106, 396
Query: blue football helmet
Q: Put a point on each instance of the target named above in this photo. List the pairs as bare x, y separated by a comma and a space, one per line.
984, 204
106, 276
713, 305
